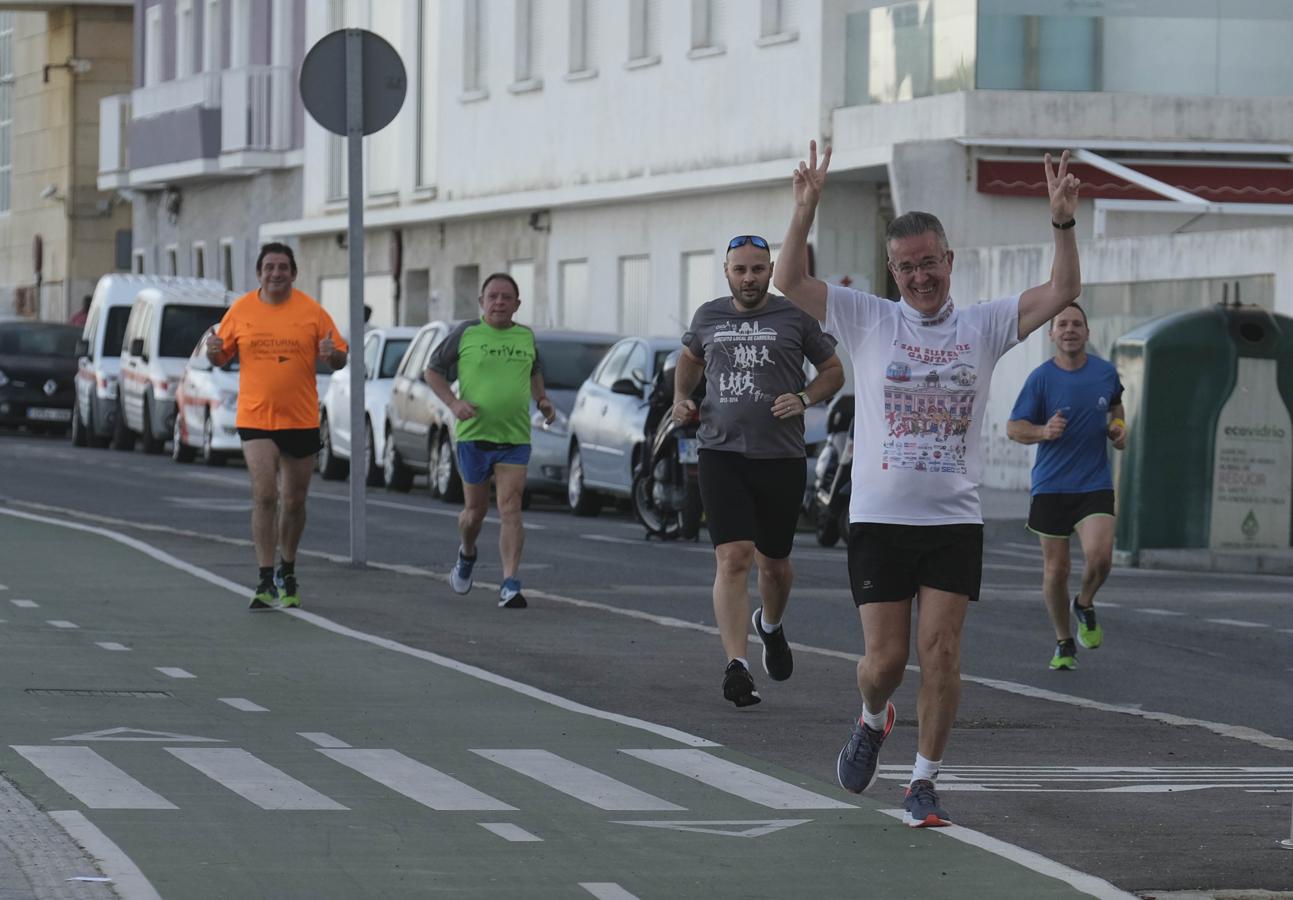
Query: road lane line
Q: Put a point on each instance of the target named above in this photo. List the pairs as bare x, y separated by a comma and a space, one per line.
323, 739
580, 782
607, 890
1079, 881
425, 510
25, 604
509, 832
61, 623
253, 779
173, 672
420, 783
128, 881
93, 780
242, 703
1159, 612
112, 645
731, 778
1237, 623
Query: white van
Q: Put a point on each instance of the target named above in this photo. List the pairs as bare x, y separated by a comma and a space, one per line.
166, 322
94, 411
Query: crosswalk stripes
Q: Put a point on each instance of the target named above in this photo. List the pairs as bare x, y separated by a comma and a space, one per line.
578, 781
93, 780
420, 783
253, 779
735, 779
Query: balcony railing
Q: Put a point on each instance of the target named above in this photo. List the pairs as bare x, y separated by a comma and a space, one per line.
256, 109
114, 116
183, 93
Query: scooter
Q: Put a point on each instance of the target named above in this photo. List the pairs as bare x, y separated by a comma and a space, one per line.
834, 474
666, 485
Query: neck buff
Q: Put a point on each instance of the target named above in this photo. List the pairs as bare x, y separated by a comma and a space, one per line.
911, 314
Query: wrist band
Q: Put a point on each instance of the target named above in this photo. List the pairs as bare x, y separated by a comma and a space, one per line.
1119, 422
1064, 226
803, 398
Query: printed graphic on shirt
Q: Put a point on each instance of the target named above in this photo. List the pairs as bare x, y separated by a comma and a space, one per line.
265, 346
928, 408
745, 357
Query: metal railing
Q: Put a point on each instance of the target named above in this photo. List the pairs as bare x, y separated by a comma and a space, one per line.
183, 93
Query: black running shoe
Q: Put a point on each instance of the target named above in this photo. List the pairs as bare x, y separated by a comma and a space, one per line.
777, 660
738, 685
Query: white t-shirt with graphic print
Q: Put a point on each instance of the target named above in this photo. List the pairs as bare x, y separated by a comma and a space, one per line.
920, 388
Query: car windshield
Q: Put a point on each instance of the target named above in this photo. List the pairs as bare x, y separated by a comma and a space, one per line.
182, 327
567, 364
36, 339
392, 353
115, 331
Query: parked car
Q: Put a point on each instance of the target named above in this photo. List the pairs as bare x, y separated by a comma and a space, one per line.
206, 407
608, 421
37, 374
95, 411
166, 321
414, 420
383, 350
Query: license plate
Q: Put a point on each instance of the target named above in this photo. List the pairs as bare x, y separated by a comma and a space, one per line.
688, 450
49, 415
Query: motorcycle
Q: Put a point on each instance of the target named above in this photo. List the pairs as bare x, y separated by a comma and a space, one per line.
832, 485
666, 486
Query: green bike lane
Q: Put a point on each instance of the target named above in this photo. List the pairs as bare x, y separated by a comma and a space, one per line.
231, 754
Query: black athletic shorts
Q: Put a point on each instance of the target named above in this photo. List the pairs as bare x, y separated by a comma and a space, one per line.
1058, 515
889, 562
752, 499
296, 442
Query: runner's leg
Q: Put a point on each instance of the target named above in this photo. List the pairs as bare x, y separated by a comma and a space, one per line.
939, 620
294, 486
509, 484
732, 595
475, 503
1096, 535
261, 457
886, 635
1055, 584
776, 576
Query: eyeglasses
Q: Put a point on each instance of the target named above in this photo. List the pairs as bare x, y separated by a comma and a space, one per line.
742, 239
926, 265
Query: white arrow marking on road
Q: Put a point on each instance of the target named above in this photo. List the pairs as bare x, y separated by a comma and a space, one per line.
253, 779
421, 783
577, 781
734, 779
763, 826
139, 734
93, 780
509, 832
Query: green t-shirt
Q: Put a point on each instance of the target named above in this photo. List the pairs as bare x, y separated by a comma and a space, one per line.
493, 367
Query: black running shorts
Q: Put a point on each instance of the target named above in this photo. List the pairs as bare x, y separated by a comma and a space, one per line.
1058, 515
752, 499
295, 442
888, 563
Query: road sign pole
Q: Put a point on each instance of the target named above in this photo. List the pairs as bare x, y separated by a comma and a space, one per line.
355, 203
1287, 843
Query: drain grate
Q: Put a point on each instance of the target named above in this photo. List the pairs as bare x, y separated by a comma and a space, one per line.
94, 692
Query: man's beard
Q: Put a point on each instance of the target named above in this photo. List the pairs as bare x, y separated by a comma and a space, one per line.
739, 297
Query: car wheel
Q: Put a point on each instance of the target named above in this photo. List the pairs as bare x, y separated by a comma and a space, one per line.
448, 483
151, 444
122, 437
330, 467
92, 430
210, 455
78, 428
373, 476
180, 451
395, 474
583, 502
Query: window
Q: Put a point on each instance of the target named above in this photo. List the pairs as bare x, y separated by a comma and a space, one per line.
635, 294
392, 353
705, 25
582, 30
698, 270
199, 260
183, 38
473, 50
137, 263
644, 32
466, 292
428, 82
240, 34
153, 45
527, 73
183, 326
572, 294
226, 264
372, 347
212, 26
382, 153
776, 21
522, 272
6, 109
614, 364
172, 260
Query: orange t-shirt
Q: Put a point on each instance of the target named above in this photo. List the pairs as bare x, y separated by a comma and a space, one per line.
277, 346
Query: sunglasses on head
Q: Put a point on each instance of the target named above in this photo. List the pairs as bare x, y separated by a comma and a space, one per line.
742, 239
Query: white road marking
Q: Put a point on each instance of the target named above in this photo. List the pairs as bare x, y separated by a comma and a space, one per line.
25, 604
607, 890
128, 881
1237, 623
420, 783
139, 734
61, 623
731, 778
1013, 554
93, 780
509, 832
578, 781
759, 829
173, 672
4, 587
424, 510
643, 542
323, 739
253, 779
1159, 612
112, 645
242, 703
1103, 779
210, 504
1079, 881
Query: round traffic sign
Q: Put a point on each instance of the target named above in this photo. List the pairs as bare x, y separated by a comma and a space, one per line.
323, 81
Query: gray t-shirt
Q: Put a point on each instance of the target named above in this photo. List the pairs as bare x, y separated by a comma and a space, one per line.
751, 358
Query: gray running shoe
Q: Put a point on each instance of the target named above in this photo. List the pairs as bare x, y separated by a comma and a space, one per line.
777, 661
460, 577
922, 807
857, 764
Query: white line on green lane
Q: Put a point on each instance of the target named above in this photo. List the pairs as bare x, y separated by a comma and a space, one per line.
578, 781
93, 780
420, 783
253, 779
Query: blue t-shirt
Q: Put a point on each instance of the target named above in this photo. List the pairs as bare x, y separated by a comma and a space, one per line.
1079, 461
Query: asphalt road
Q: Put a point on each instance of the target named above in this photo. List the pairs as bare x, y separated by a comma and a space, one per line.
1162, 763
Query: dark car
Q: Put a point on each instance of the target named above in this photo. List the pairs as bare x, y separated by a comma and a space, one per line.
37, 374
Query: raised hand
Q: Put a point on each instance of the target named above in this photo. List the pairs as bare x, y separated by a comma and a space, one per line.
215, 345
810, 177
1055, 427
1062, 188
326, 346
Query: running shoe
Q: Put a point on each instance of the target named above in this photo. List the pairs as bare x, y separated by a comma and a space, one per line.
738, 685
509, 595
265, 596
777, 661
922, 807
857, 765
1089, 632
291, 593
460, 577
1065, 655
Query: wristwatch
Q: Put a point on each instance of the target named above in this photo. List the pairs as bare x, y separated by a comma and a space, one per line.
803, 398
1064, 226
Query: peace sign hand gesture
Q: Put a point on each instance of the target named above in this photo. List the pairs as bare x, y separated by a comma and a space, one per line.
810, 177
1063, 189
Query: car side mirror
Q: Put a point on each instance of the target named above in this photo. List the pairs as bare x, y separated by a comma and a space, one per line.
639, 376
82, 347
627, 386
137, 347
